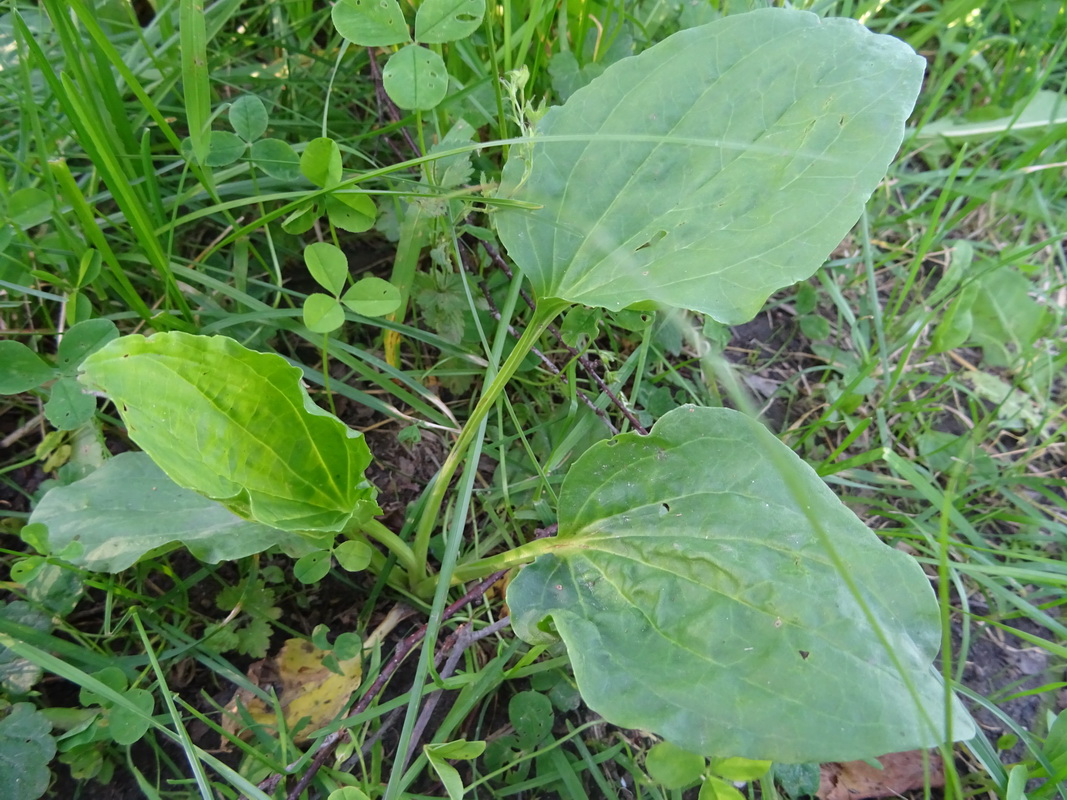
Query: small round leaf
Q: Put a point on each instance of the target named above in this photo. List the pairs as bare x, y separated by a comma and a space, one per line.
717, 789
739, 769
301, 220
415, 78
128, 725
321, 162
323, 313
531, 714
672, 767
347, 793
84, 339
277, 158
371, 23
223, 149
347, 645
69, 407
354, 213
248, 116
313, 567
328, 265
353, 556
113, 678
439, 21
372, 297
21, 369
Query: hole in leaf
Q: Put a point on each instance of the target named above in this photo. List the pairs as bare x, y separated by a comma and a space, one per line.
655, 238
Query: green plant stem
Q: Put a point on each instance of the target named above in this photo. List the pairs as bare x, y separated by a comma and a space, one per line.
542, 318
487, 566
393, 543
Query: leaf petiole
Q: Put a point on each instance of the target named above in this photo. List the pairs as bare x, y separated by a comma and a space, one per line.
546, 312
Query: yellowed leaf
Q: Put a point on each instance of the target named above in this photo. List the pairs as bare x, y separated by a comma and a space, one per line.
305, 688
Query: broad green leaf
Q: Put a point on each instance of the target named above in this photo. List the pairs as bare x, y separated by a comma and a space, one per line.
28, 207
323, 313
439, 21
84, 339
129, 509
328, 265
672, 767
698, 599
68, 407
1006, 320
371, 23
277, 158
321, 162
224, 148
721, 164
248, 116
353, 212
21, 369
26, 748
372, 297
415, 78
236, 426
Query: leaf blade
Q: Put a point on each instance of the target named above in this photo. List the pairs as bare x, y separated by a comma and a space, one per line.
697, 600
238, 427
676, 176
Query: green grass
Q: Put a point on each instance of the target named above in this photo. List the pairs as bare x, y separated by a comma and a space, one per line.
945, 438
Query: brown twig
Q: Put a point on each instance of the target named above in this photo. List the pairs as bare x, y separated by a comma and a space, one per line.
456, 645
386, 105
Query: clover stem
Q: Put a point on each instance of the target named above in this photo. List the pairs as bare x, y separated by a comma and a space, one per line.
543, 316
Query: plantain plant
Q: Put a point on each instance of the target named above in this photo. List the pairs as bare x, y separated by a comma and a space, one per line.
707, 584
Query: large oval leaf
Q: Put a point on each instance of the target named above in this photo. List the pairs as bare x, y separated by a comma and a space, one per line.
236, 426
698, 600
129, 509
714, 168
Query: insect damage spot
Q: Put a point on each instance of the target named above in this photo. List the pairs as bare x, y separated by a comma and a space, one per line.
659, 235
